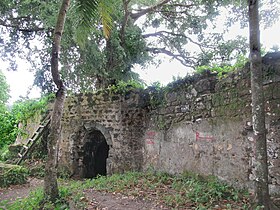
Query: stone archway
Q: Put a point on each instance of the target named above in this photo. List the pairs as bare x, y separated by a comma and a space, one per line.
95, 154
91, 150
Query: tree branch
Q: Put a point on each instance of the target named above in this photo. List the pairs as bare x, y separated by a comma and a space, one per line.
162, 33
182, 5
125, 20
142, 12
184, 60
17, 27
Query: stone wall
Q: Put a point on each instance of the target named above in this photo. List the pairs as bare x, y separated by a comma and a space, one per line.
201, 124
120, 118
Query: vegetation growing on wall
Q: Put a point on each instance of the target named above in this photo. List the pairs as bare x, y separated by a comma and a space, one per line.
156, 95
222, 69
123, 87
20, 112
26, 108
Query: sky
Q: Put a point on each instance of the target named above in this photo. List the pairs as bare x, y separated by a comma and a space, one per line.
21, 81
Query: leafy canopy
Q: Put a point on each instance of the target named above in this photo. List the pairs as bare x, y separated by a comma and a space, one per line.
4, 89
187, 31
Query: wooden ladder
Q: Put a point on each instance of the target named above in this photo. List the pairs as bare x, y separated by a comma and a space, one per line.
31, 142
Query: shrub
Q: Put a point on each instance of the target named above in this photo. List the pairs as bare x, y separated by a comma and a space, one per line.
11, 174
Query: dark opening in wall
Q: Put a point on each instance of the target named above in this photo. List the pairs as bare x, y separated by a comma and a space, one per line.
96, 152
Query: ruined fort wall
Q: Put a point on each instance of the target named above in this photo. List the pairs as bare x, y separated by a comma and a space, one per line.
200, 124
203, 125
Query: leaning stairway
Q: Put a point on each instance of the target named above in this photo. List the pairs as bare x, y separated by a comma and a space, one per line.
32, 141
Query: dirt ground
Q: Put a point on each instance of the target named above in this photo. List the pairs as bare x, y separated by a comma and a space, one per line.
101, 200
19, 191
94, 200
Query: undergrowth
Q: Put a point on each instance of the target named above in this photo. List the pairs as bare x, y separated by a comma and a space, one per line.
185, 191
13, 175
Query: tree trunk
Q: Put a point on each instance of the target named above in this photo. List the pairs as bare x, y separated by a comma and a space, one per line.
50, 181
258, 113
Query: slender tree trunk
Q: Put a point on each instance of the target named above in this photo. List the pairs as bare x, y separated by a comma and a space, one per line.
50, 182
258, 113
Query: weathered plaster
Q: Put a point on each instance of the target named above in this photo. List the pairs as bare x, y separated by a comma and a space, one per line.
201, 124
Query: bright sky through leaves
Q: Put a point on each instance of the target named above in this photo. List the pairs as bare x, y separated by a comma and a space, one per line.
22, 80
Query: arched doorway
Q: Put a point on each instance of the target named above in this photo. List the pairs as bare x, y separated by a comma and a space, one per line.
95, 155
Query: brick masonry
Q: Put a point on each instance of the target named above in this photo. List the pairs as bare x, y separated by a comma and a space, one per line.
200, 124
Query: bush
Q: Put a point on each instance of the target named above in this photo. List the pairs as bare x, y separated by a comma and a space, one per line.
12, 174
20, 112
4, 153
8, 127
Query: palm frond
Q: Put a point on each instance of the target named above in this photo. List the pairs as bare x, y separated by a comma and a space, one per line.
89, 14
105, 11
87, 11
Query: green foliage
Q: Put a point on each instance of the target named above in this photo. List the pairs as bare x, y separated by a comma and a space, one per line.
33, 201
36, 199
13, 175
123, 87
8, 128
89, 14
26, 109
63, 172
4, 90
207, 190
155, 93
223, 69
7, 121
86, 56
96, 60
220, 70
156, 86
21, 111
121, 55
4, 151
36, 168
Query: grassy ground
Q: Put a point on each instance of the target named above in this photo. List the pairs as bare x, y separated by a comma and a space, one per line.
186, 191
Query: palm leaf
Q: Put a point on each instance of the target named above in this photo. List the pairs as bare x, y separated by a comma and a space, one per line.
89, 13
105, 11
